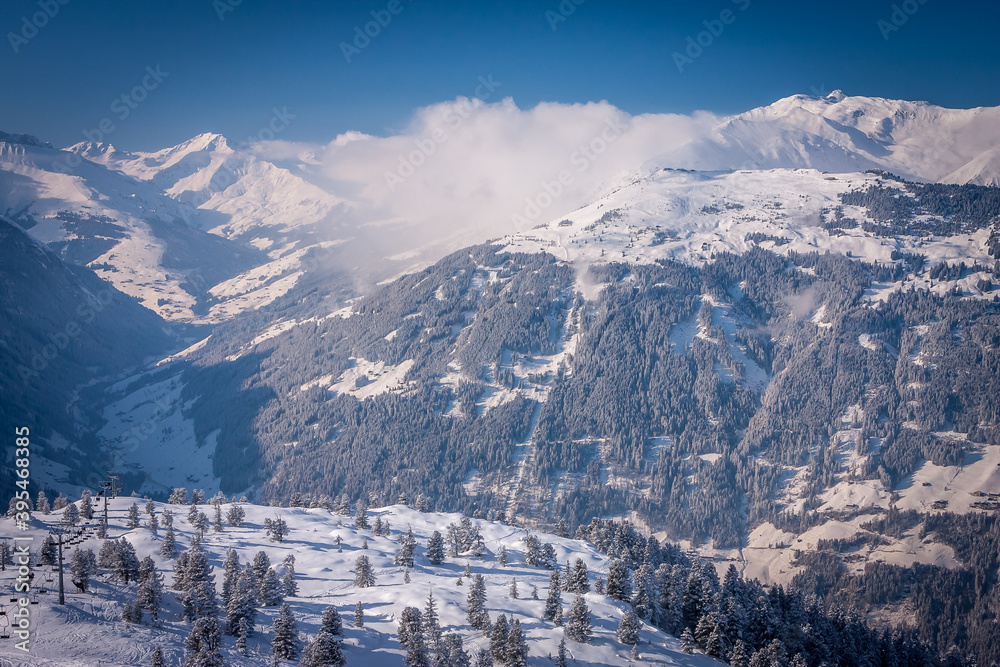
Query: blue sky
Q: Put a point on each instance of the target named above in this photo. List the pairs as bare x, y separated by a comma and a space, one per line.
229, 75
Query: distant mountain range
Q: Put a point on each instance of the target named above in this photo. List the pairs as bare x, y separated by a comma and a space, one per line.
777, 343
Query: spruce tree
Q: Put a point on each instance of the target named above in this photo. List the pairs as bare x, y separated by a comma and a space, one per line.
82, 565
86, 505
404, 557
498, 639
324, 651
285, 644
361, 515
561, 658
198, 599
553, 602
644, 595
235, 515
168, 549
332, 622
288, 584
431, 624
203, 644
629, 627
364, 575
517, 646
230, 573
435, 548
452, 652
192, 515
411, 637
156, 658
578, 624
478, 618
150, 594
242, 605
217, 523
739, 656
133, 515
502, 556
687, 641
261, 563
242, 632
513, 588
359, 615
42, 504
619, 587
270, 590
580, 582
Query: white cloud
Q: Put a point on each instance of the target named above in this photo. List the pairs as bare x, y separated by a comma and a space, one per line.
464, 171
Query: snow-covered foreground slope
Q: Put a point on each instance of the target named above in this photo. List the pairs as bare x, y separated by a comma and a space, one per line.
88, 631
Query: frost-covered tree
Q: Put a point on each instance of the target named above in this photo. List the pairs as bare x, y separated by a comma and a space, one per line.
687, 641
192, 514
478, 617
150, 594
580, 578
359, 615
404, 556
332, 622
285, 644
324, 651
217, 522
260, 565
452, 653
5, 554
42, 504
411, 638
59, 503
47, 552
502, 556
435, 548
168, 548
198, 594
241, 609
517, 646
179, 496
201, 523
82, 566
235, 515
133, 516
86, 505
553, 602
203, 644
71, 515
619, 586
168, 517
512, 591
270, 591
230, 573
361, 515
629, 627
289, 586
150, 507
578, 623
364, 574
498, 639
276, 529
156, 658
561, 658
431, 624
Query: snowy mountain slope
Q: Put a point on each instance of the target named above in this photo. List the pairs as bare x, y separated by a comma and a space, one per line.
242, 196
692, 216
89, 630
132, 235
841, 133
